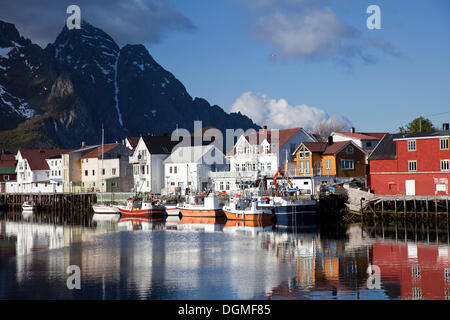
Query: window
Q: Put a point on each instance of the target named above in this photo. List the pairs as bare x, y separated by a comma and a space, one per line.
85, 173
411, 145
347, 165
266, 148
6, 178
103, 172
412, 165
243, 167
350, 150
175, 169
86, 160
114, 171
269, 166
415, 270
170, 169
262, 166
328, 164
444, 144
93, 172
228, 185
445, 165
237, 166
254, 166
307, 166
301, 166
368, 144
221, 186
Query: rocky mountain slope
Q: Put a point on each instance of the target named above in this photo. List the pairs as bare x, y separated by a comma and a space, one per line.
61, 95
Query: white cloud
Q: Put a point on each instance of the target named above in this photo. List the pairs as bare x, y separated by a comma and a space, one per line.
309, 29
279, 114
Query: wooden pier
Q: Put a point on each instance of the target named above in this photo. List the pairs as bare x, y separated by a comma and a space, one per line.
65, 203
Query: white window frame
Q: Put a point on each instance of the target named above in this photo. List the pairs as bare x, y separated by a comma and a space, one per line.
444, 143
350, 150
344, 165
412, 143
410, 162
328, 164
445, 165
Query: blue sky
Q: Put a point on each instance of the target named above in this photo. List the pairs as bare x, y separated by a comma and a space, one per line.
221, 60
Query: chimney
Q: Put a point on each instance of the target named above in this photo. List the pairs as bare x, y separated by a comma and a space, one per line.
445, 127
352, 130
330, 140
83, 144
264, 128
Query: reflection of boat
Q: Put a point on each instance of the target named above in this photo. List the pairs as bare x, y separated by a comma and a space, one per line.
138, 208
27, 215
208, 224
28, 207
248, 209
136, 223
106, 217
201, 206
250, 227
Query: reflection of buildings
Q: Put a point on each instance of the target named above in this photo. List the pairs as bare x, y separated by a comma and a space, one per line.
423, 271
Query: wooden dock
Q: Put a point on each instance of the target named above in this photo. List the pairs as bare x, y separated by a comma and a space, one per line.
65, 203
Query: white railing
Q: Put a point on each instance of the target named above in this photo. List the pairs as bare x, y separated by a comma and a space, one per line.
136, 159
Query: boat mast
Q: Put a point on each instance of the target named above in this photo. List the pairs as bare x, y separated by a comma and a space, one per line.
103, 180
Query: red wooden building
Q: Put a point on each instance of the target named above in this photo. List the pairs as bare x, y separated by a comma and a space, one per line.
411, 164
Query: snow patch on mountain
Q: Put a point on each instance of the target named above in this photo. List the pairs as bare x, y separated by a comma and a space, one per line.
116, 90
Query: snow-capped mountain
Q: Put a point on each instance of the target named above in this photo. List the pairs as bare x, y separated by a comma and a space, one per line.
61, 95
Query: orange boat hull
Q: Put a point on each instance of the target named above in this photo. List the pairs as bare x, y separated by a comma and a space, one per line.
207, 220
201, 213
262, 218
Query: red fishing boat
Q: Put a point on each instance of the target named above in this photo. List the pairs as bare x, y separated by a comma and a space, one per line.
138, 208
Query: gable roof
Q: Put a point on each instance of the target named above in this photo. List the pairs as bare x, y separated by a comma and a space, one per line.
363, 135
386, 148
36, 157
97, 152
325, 148
133, 141
255, 138
159, 144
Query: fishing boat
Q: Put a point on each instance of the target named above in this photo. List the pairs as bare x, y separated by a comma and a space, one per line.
28, 207
171, 206
137, 208
201, 206
289, 208
248, 209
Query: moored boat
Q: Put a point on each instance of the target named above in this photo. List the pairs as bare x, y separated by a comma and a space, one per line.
105, 209
201, 206
248, 209
28, 207
137, 208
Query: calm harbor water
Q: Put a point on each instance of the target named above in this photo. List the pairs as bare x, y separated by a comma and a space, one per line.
207, 259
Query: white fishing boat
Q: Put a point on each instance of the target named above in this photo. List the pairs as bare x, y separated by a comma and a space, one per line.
201, 206
28, 207
248, 209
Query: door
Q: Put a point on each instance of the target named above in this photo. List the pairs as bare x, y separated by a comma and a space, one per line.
410, 187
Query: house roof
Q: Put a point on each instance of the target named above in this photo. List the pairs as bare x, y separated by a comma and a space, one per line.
159, 144
36, 157
363, 135
97, 152
8, 170
324, 147
189, 154
386, 148
7, 157
255, 138
431, 134
133, 141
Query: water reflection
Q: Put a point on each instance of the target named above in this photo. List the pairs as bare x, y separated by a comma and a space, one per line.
202, 258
